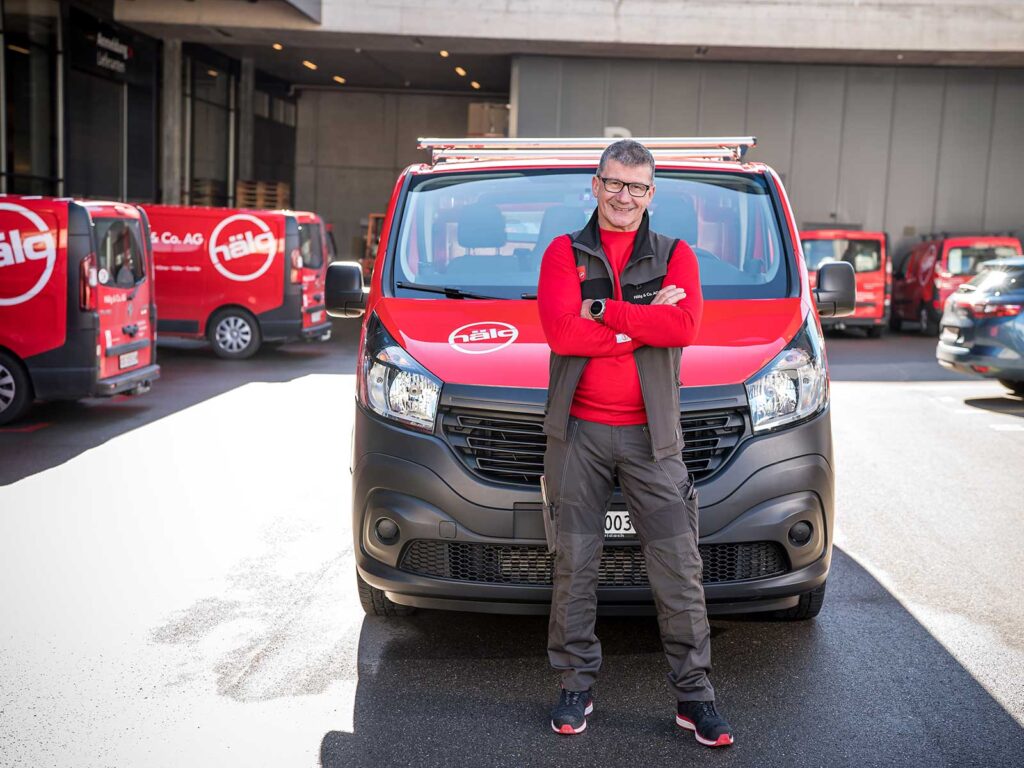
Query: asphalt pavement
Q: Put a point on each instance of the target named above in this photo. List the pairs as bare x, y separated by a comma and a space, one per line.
178, 589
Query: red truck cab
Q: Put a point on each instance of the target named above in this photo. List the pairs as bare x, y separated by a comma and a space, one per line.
239, 278
76, 301
868, 253
934, 268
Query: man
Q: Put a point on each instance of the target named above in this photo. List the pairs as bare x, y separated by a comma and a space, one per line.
617, 303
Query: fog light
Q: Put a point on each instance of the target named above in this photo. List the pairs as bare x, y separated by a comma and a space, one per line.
800, 533
387, 530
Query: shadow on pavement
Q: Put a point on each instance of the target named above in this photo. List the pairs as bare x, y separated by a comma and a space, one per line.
55, 432
1009, 405
865, 684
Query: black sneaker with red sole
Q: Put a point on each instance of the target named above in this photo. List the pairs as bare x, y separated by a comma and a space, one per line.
709, 727
569, 715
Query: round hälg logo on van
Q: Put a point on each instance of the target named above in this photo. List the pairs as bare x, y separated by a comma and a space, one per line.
482, 337
27, 256
242, 247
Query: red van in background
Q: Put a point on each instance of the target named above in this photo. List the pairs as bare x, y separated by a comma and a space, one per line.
934, 269
76, 301
239, 277
869, 255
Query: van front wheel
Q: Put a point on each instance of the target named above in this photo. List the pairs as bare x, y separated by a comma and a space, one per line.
808, 607
376, 603
1017, 387
234, 334
15, 389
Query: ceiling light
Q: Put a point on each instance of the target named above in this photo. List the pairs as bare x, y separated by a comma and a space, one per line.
445, 54
476, 85
460, 71
277, 47
18, 49
211, 72
339, 79
308, 64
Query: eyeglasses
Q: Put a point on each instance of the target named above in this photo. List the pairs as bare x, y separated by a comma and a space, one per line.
636, 189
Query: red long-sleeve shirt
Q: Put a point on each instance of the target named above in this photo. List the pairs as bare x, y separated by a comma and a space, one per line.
609, 389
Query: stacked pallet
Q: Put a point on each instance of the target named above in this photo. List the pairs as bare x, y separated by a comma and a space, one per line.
262, 194
208, 192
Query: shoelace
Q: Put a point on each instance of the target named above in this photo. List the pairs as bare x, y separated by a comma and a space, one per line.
708, 709
572, 698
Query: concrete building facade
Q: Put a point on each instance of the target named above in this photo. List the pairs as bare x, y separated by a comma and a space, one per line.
904, 115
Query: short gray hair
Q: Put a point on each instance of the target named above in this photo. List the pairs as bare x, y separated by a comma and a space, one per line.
628, 152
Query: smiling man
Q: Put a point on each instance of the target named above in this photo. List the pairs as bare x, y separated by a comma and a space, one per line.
618, 302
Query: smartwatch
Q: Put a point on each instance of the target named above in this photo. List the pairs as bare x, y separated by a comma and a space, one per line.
597, 310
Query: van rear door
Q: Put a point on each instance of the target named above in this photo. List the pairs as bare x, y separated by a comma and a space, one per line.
313, 248
124, 286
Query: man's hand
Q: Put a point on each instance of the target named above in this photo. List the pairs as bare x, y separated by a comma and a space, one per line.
669, 294
585, 309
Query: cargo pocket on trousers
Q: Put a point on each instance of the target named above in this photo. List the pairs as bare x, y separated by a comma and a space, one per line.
691, 499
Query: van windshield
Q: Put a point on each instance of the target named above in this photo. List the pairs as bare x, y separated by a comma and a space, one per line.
120, 259
311, 246
967, 261
864, 255
486, 233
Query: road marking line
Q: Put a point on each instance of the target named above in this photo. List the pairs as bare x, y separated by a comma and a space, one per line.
1007, 427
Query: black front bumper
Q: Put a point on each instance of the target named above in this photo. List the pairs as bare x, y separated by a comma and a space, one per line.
769, 483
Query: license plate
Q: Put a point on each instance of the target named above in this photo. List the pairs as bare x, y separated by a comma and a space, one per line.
617, 525
128, 359
316, 317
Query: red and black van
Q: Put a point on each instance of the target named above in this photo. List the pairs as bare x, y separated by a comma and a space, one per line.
239, 277
934, 268
76, 301
868, 253
452, 375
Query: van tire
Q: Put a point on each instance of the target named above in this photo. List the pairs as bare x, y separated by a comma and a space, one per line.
234, 334
376, 603
16, 393
1017, 387
875, 332
809, 606
895, 323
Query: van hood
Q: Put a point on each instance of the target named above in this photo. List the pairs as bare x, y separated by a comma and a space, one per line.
501, 343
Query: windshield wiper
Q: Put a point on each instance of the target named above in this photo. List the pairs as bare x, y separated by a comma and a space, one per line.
447, 290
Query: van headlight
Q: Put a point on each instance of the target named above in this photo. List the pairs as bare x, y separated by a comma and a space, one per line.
393, 384
794, 385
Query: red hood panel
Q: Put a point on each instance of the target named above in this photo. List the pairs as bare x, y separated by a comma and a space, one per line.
501, 343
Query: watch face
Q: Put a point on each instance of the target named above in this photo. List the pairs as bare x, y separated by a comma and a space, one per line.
596, 308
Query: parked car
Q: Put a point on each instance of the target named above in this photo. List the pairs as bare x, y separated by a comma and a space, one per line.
76, 302
239, 277
983, 325
868, 253
934, 268
453, 367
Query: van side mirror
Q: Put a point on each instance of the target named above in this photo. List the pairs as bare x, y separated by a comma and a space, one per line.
836, 290
343, 291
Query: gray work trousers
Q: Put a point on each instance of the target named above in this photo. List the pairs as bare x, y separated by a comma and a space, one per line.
662, 504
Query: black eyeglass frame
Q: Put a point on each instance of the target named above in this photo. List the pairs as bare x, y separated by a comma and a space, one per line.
629, 185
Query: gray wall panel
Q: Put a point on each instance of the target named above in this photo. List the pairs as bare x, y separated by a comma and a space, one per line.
676, 96
629, 96
771, 106
1003, 206
817, 135
538, 96
723, 100
582, 108
917, 113
963, 153
864, 155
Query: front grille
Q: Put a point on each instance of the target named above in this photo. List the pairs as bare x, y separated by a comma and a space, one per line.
621, 566
510, 447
